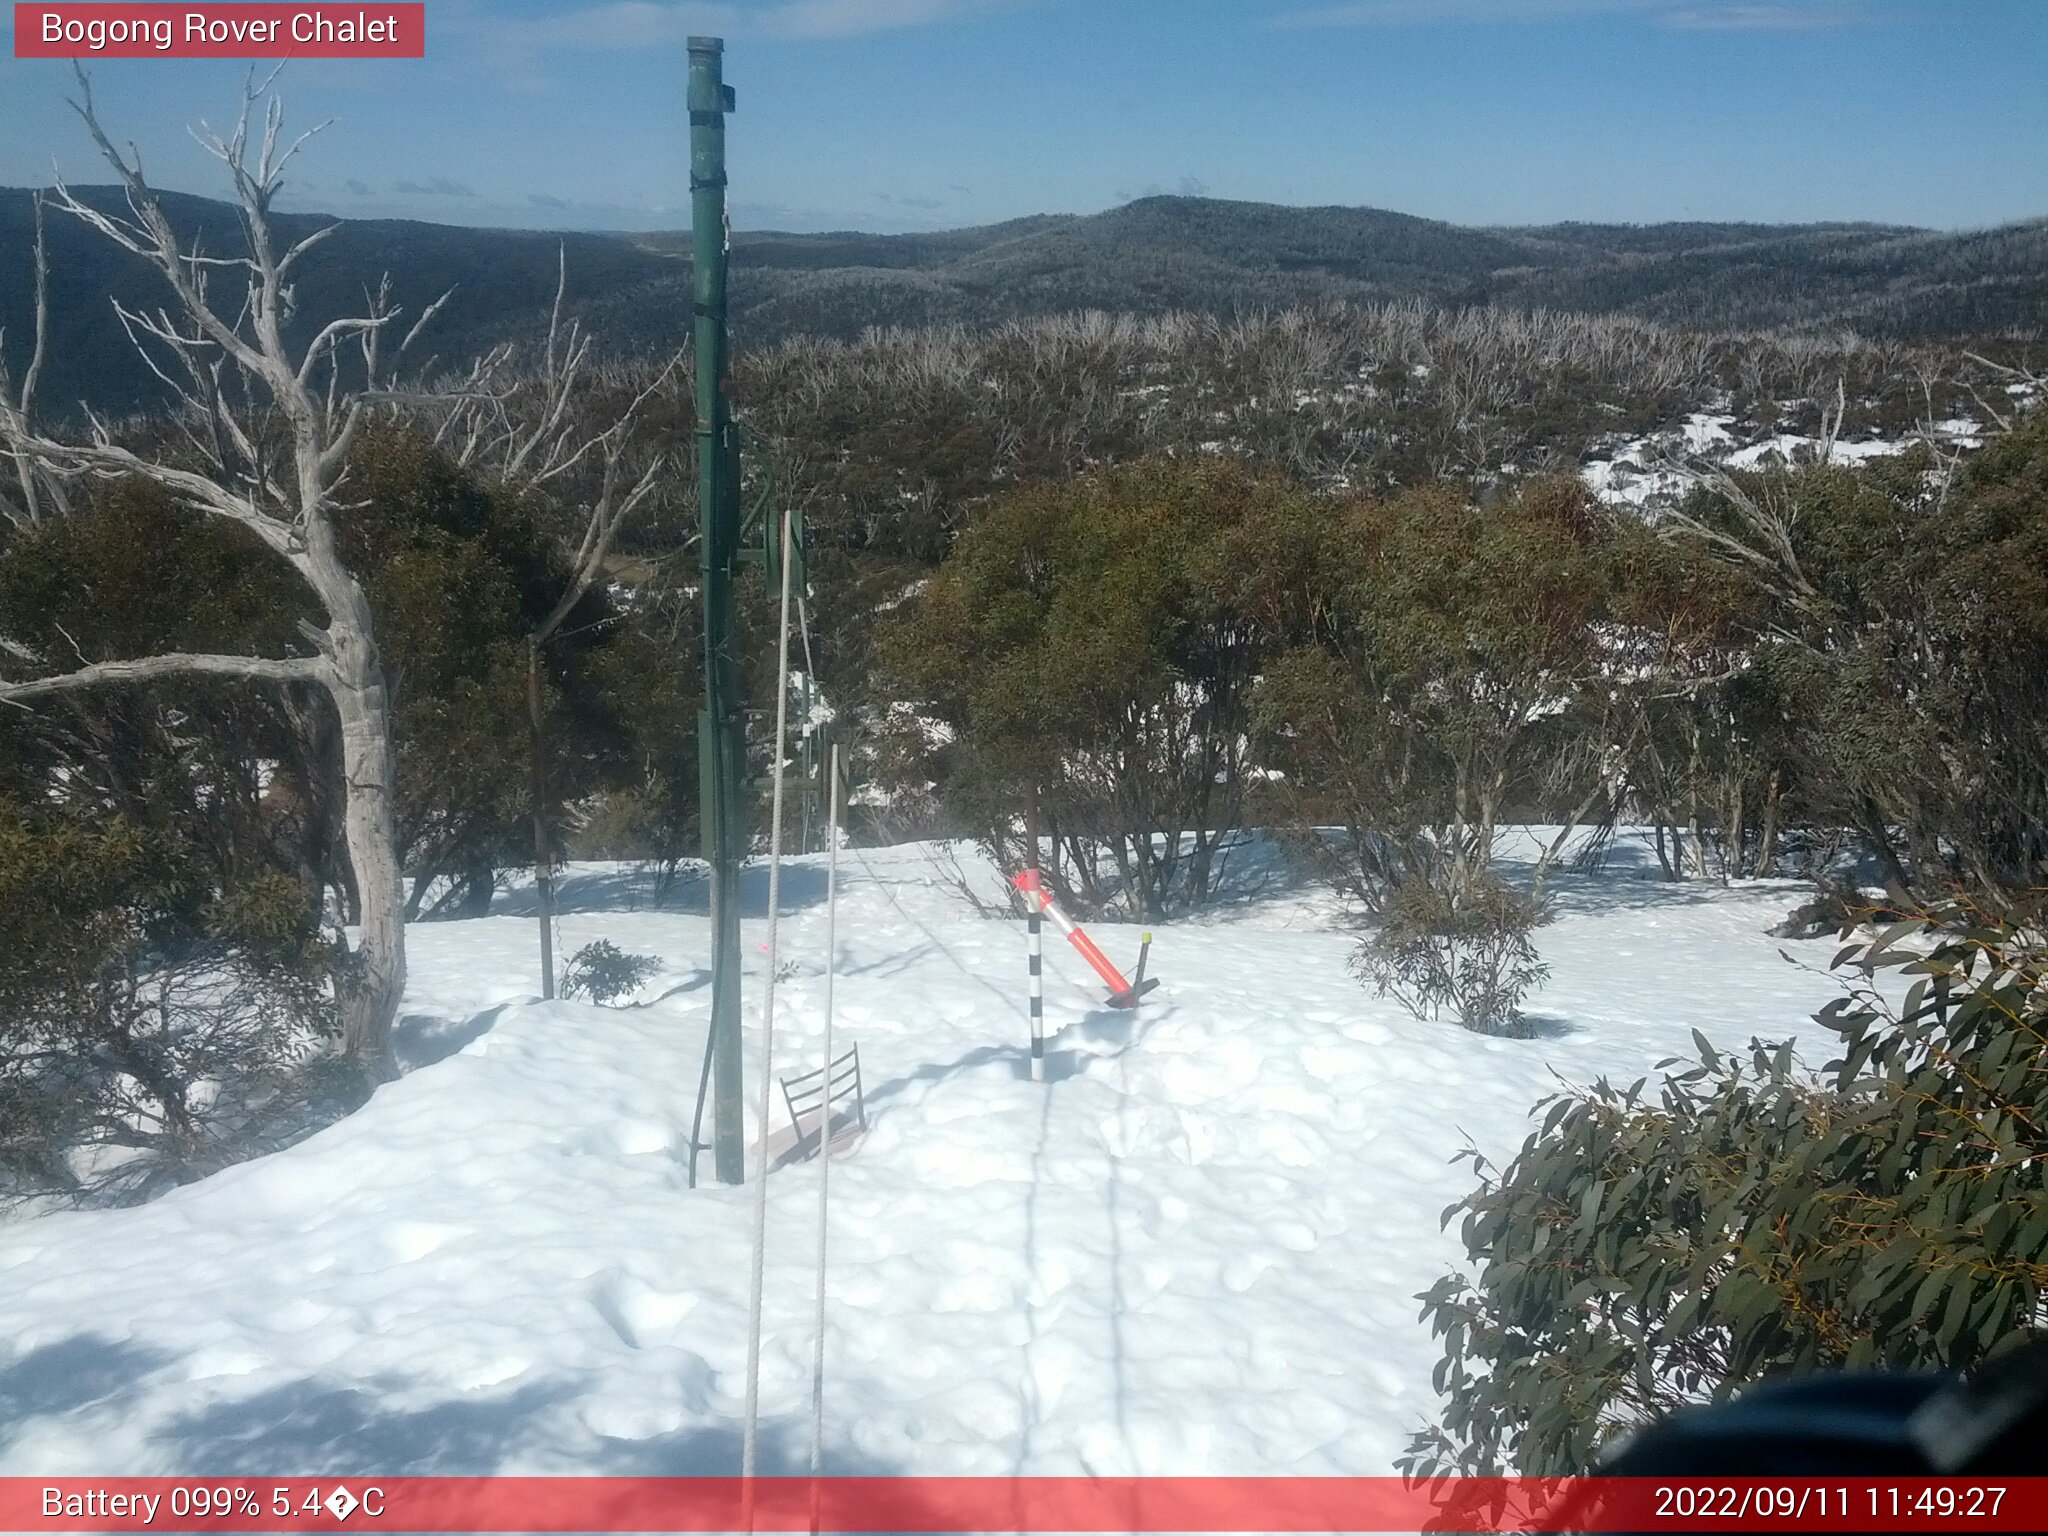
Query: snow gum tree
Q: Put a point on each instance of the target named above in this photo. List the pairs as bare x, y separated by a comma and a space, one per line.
1898, 614
1439, 662
1085, 643
264, 426
153, 1028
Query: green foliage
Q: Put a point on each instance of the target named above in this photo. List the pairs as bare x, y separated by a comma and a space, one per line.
644, 683
1085, 639
1899, 639
457, 573
150, 1032
1746, 1219
453, 569
1472, 955
604, 973
1706, 734
1443, 659
135, 573
165, 1008
460, 574
84, 891
217, 769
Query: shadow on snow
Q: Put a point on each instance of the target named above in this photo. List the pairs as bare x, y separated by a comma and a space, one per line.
320, 1426
628, 888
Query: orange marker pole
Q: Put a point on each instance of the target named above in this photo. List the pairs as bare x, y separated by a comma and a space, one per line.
1033, 886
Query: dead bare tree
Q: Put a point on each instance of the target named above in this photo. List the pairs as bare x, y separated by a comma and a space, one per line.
2030, 386
272, 424
36, 491
526, 422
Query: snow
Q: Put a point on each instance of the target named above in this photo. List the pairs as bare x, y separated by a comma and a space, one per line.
1703, 433
1628, 480
1791, 448
1656, 470
1196, 1250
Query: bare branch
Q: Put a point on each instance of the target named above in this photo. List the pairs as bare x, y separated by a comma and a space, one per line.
334, 333
27, 401
284, 489
105, 457
17, 410
297, 669
151, 237
1831, 424
290, 258
1769, 550
606, 519
425, 319
2020, 376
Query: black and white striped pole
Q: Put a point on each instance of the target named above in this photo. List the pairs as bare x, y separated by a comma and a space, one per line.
1034, 920
1033, 925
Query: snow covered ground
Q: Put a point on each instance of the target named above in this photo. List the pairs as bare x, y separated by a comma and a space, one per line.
1655, 471
1197, 1250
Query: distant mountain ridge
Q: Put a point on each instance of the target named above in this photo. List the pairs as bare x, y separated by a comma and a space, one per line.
1149, 256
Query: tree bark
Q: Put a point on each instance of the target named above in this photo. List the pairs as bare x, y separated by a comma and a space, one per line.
1767, 839
376, 978
1898, 886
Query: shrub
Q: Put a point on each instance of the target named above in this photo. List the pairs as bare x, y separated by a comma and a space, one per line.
149, 1035
1640, 1253
1896, 639
1087, 641
604, 973
1473, 956
1439, 664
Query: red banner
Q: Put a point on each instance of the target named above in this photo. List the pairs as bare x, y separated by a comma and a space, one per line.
1021, 1504
102, 30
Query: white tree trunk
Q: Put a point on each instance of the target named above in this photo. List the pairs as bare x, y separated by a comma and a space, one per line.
294, 518
376, 978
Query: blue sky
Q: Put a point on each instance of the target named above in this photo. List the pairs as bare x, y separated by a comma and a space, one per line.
916, 114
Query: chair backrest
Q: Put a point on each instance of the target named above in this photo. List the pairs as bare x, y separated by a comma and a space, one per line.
817, 1096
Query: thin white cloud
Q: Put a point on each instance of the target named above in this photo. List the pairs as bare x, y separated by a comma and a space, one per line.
606, 28
1762, 18
1402, 13
625, 24
438, 186
854, 18
1708, 15
517, 48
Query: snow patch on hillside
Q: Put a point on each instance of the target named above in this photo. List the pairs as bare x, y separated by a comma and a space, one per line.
1655, 470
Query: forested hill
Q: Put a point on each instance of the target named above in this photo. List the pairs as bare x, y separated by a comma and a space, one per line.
503, 279
1156, 254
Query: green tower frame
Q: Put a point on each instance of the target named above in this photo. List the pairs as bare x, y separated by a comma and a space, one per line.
721, 725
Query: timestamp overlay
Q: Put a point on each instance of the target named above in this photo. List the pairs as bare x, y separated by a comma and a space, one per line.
1022, 1504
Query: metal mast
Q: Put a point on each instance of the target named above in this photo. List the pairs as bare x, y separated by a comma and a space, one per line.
721, 737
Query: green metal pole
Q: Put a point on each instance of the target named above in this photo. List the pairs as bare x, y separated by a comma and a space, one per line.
721, 739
